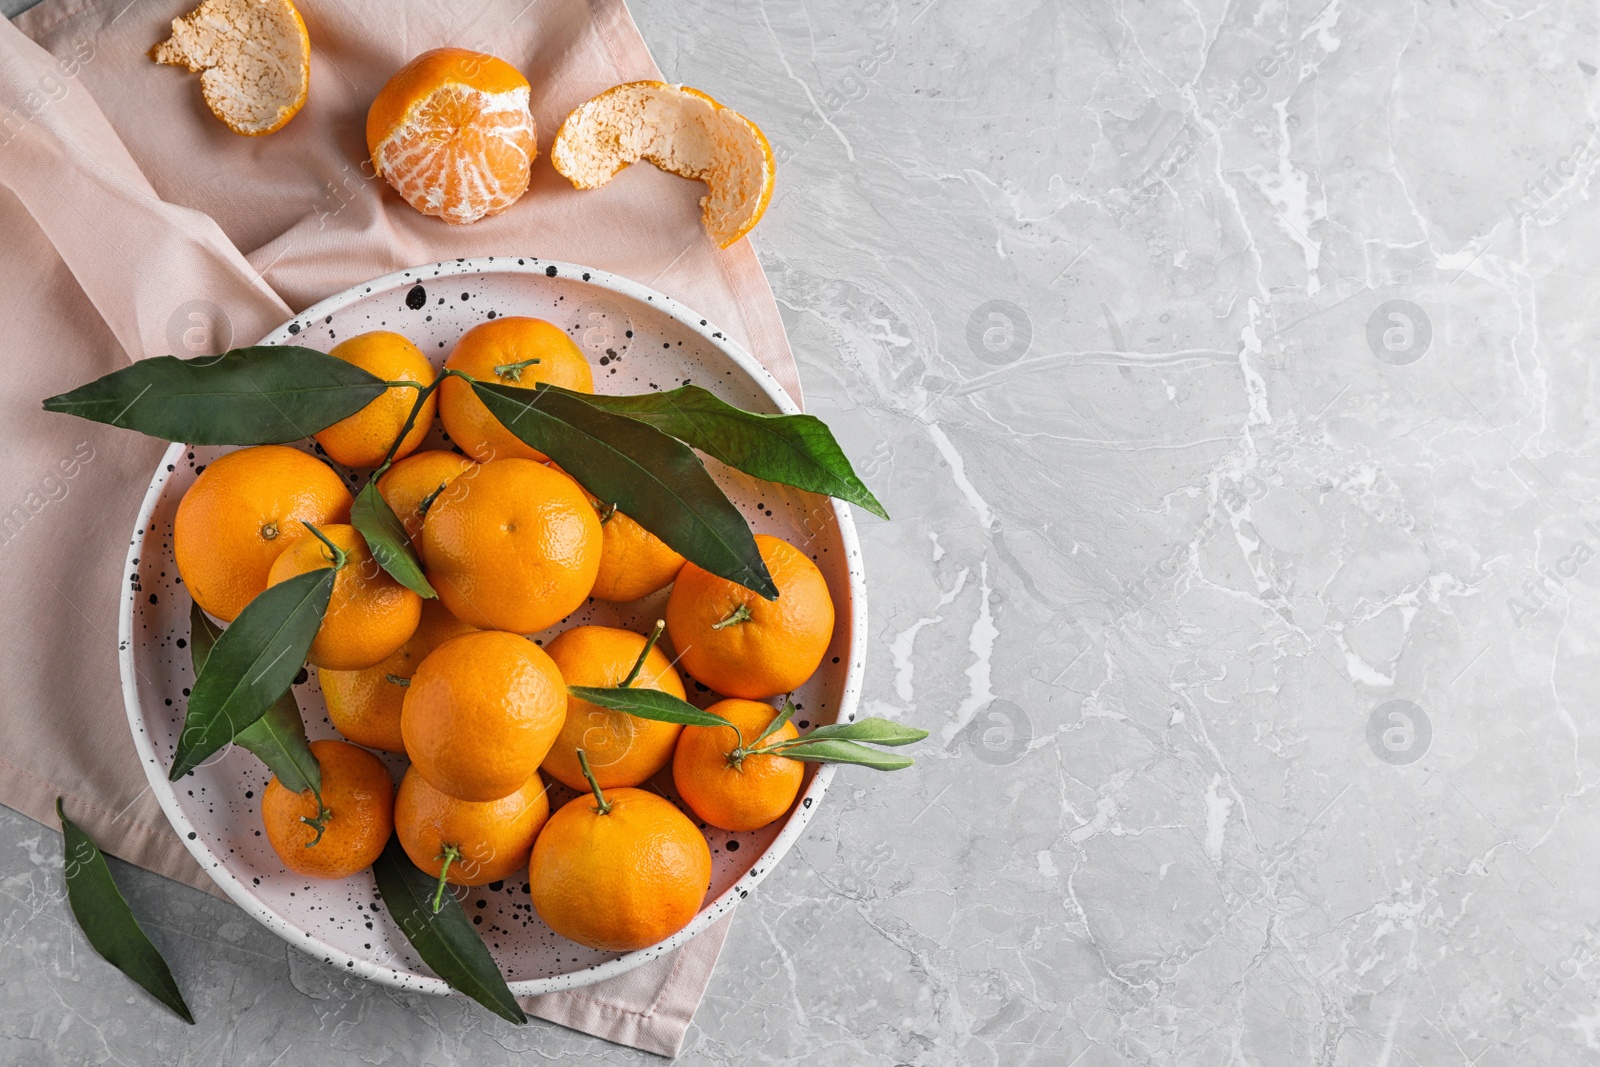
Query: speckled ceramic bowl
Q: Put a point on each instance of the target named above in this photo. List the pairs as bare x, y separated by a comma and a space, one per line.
636, 340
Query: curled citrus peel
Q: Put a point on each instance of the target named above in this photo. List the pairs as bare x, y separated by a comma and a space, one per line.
684, 132
253, 58
452, 133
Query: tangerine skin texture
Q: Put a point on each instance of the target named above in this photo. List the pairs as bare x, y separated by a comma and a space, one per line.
503, 343
243, 510
516, 550
622, 749
773, 651
620, 881
750, 796
363, 439
410, 482
369, 613
357, 789
493, 837
480, 714
365, 705
633, 561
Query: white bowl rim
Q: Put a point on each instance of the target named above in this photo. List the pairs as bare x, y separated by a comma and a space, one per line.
806, 805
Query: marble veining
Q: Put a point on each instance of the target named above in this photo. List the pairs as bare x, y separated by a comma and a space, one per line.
1227, 370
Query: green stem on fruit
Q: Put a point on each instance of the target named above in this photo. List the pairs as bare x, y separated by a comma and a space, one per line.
606, 513
449, 856
427, 501
512, 372
423, 392
638, 664
603, 806
739, 614
339, 555
395, 679
320, 823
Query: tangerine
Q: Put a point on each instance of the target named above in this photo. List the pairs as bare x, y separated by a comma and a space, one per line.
467, 842
363, 439
240, 514
727, 788
515, 351
369, 613
481, 713
619, 870
741, 645
517, 551
452, 133
348, 829
414, 485
622, 749
365, 705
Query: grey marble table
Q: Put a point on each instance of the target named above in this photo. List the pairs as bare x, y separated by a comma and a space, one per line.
1228, 370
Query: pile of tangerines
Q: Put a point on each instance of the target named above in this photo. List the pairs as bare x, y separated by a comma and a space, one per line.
513, 545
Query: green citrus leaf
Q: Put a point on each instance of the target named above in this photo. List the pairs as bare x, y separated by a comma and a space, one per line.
386, 537
873, 731
278, 738
252, 664
107, 921
830, 750
797, 450
655, 480
445, 939
777, 722
648, 704
262, 395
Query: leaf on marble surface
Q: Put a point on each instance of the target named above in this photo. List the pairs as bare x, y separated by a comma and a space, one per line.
108, 923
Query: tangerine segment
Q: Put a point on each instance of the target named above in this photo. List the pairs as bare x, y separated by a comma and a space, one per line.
622, 880
243, 510
415, 484
621, 748
365, 705
369, 613
253, 58
452, 133
358, 798
363, 439
490, 840
517, 351
517, 550
480, 714
732, 640
684, 132
743, 796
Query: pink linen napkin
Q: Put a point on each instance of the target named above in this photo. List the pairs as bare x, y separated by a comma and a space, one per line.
133, 223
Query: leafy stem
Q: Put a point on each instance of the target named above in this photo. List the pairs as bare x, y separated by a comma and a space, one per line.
602, 805
512, 372
339, 555
644, 653
737, 615
320, 823
423, 392
450, 854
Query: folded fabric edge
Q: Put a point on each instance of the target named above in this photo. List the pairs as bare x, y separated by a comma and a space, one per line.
661, 1028
153, 848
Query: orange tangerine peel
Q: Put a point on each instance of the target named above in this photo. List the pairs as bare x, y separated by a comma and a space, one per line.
253, 58
684, 132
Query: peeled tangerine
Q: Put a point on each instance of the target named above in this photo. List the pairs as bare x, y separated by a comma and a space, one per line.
452, 133
253, 58
684, 132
